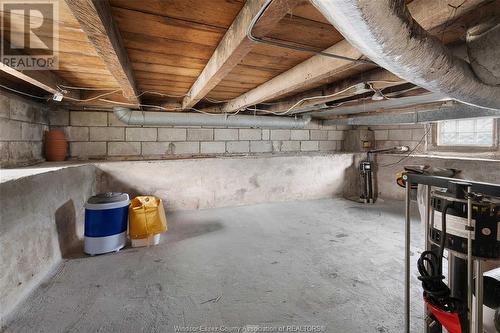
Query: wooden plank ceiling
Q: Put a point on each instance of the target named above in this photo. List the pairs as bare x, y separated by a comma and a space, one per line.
169, 42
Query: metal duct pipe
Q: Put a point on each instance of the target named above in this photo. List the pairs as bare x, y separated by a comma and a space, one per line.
149, 118
385, 31
459, 111
392, 103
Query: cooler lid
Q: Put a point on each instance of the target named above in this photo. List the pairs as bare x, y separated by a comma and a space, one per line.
108, 197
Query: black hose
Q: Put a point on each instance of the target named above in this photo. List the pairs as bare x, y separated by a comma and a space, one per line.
435, 290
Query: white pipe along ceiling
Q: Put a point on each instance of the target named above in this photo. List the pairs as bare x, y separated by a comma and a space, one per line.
149, 118
385, 31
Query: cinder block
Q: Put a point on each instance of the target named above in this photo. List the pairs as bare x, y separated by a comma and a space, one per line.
381, 135
226, 134
77, 133
87, 149
250, 134
42, 115
10, 130
141, 134
386, 144
214, 147
319, 135
4, 152
58, 118
172, 134
336, 135
185, 148
309, 145
31, 132
237, 147
200, 134
114, 121
299, 134
20, 152
107, 134
261, 146
290, 146
266, 134
4, 106
327, 145
20, 110
280, 134
399, 134
417, 134
124, 148
87, 118
157, 148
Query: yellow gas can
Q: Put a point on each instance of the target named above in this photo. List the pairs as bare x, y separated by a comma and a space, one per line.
146, 217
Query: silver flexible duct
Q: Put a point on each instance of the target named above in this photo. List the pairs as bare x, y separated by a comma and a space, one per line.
148, 118
385, 31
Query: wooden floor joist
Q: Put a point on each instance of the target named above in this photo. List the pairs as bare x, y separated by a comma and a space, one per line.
42, 79
318, 67
96, 20
235, 45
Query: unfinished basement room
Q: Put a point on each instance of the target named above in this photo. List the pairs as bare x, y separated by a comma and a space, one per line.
238, 166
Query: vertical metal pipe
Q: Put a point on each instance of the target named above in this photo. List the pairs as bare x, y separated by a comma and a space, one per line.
451, 270
469, 257
479, 296
427, 247
428, 211
407, 257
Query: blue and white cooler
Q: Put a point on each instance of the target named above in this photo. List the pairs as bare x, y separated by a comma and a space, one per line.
106, 218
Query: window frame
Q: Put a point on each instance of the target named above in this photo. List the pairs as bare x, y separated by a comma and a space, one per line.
464, 148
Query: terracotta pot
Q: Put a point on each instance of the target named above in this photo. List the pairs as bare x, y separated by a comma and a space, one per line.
56, 146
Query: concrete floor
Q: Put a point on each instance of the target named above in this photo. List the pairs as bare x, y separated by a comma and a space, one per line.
328, 262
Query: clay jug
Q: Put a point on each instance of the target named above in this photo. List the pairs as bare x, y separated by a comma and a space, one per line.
56, 145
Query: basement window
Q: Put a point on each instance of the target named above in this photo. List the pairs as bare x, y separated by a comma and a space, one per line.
466, 132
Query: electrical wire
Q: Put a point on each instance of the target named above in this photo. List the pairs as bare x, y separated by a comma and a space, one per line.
294, 47
93, 98
328, 96
409, 153
23, 93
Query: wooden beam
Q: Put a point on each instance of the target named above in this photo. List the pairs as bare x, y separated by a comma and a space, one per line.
45, 80
235, 44
318, 68
96, 20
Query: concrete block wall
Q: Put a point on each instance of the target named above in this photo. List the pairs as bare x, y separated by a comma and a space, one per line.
22, 125
100, 135
399, 135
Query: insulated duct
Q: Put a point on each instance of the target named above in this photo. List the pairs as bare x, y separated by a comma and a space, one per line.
434, 114
149, 118
483, 48
385, 31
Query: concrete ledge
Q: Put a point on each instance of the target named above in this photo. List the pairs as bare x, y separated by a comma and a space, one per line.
41, 220
230, 181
